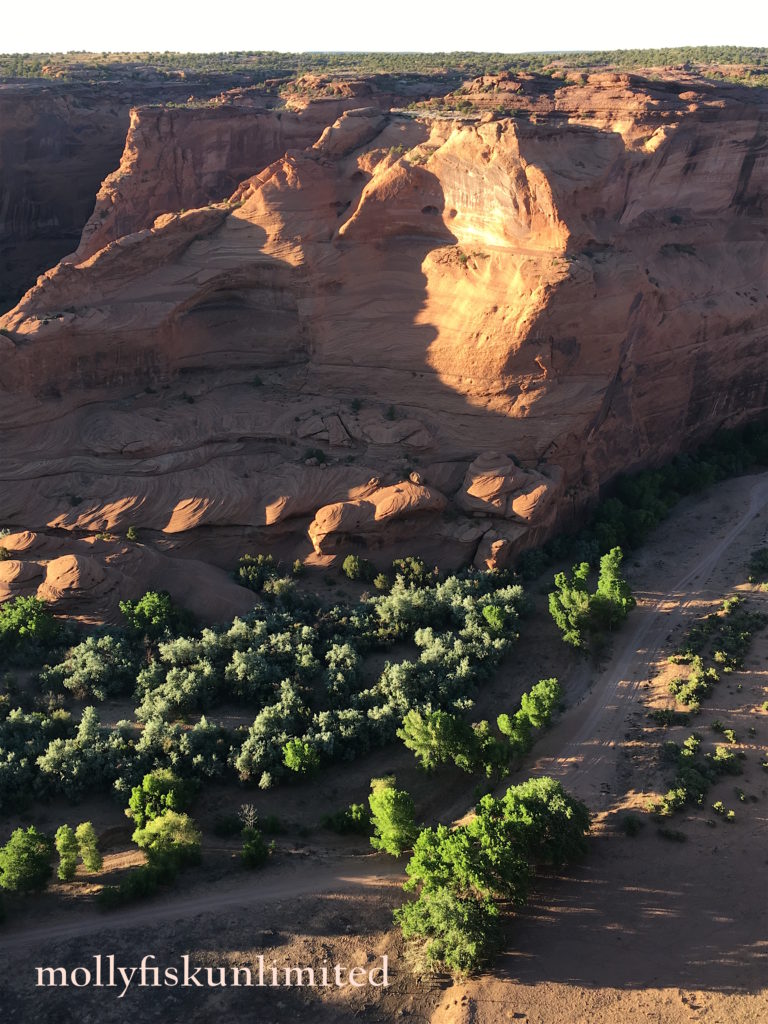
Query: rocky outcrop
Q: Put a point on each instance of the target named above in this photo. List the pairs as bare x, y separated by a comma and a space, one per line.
58, 141
369, 519
495, 485
180, 158
482, 314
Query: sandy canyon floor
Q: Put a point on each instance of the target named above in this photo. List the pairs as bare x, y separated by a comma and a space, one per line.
647, 930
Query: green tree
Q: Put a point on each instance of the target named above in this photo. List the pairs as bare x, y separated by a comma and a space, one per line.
26, 620
26, 861
68, 850
549, 824
461, 932
171, 838
154, 615
540, 701
495, 617
160, 791
569, 604
436, 737
580, 614
483, 858
517, 729
613, 599
300, 756
88, 844
393, 817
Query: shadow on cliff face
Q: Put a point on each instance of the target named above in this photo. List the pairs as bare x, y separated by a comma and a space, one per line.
58, 141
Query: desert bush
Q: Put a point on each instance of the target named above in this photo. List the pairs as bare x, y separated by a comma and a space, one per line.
255, 850
631, 824
672, 834
254, 570
356, 568
411, 571
353, 819
99, 667
227, 825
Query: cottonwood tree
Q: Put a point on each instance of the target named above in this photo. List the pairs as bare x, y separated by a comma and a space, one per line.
68, 850
26, 861
393, 816
88, 844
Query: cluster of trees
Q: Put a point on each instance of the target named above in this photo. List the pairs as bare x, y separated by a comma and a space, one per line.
27, 859
81, 843
43, 756
583, 616
101, 667
438, 737
457, 650
169, 838
462, 873
301, 670
355, 819
24, 737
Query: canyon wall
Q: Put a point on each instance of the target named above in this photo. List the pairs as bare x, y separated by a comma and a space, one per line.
419, 329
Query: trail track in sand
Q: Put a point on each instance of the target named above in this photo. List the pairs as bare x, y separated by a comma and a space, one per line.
578, 750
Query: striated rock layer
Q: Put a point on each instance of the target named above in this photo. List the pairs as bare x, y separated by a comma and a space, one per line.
409, 329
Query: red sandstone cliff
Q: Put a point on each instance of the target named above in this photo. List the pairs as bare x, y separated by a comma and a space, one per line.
412, 299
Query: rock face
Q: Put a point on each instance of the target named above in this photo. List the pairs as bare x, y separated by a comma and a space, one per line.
58, 141
411, 326
181, 158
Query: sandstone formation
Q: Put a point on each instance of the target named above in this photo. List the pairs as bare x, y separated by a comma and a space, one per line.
399, 325
58, 141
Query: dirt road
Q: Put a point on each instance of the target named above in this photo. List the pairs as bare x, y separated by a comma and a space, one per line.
271, 885
581, 748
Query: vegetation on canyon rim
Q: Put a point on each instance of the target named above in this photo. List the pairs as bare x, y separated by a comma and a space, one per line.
260, 65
